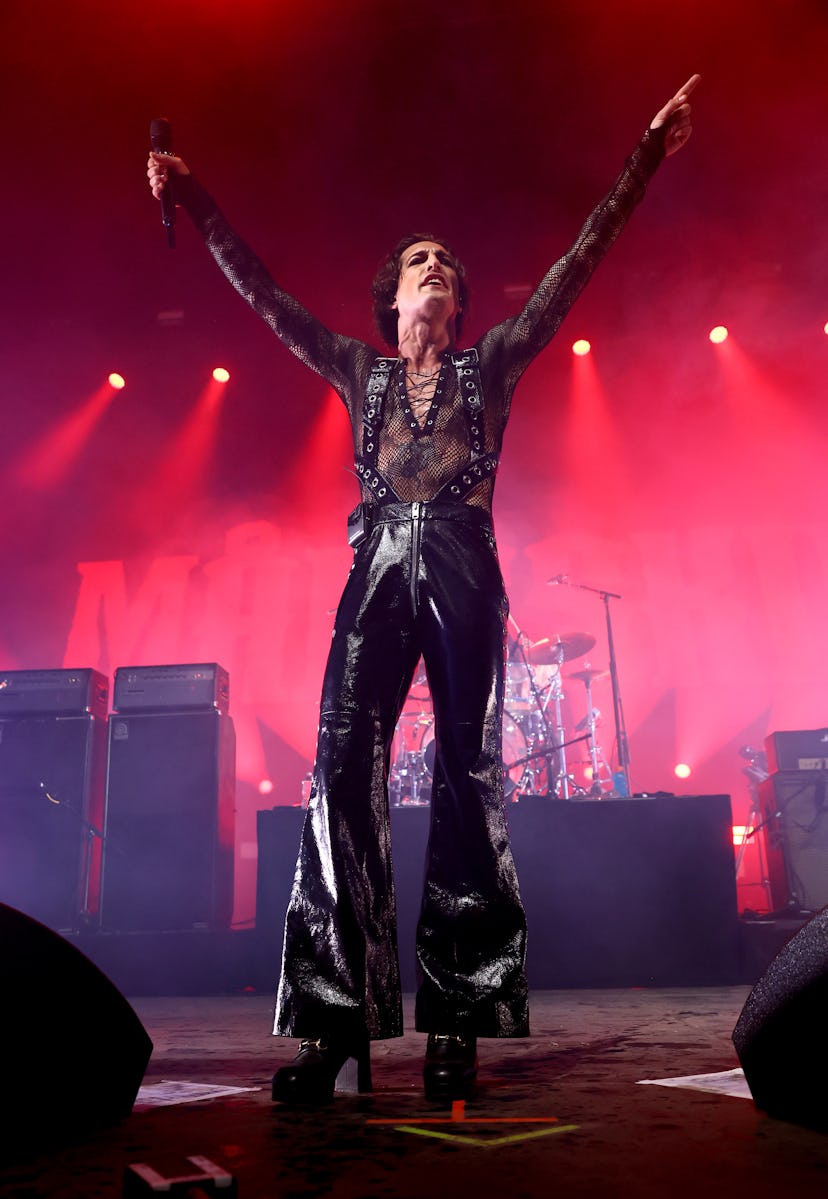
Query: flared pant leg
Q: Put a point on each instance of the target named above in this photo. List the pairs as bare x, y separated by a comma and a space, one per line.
471, 937
340, 970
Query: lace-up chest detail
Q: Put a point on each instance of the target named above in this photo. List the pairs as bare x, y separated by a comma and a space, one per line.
418, 459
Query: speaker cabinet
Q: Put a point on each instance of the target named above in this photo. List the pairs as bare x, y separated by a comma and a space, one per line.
51, 804
781, 1037
170, 816
795, 808
74, 1051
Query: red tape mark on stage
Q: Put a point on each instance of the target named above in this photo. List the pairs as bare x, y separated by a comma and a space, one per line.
458, 1116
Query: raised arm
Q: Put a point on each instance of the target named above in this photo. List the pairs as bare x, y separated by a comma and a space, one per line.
675, 117
518, 340
337, 358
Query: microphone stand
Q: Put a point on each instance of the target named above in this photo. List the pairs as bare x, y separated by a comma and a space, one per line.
621, 743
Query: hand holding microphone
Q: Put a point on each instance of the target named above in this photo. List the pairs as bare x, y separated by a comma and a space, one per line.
162, 165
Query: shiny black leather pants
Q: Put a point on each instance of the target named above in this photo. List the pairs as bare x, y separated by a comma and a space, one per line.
426, 581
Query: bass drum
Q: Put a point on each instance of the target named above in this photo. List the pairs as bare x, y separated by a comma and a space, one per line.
516, 778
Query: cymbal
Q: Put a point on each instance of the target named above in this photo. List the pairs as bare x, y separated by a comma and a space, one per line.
560, 647
587, 676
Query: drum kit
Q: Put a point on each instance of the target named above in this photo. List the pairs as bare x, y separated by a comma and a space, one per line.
536, 757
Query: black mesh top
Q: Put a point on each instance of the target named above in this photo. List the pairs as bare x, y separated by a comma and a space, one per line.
416, 461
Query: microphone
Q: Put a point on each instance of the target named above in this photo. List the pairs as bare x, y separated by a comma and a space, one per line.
161, 142
558, 579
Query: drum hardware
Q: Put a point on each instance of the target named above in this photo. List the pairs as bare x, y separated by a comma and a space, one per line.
560, 647
621, 744
549, 732
534, 737
587, 676
419, 689
544, 751
414, 751
534, 721
409, 780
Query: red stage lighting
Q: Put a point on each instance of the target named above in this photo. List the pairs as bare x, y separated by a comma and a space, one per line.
116, 381
221, 375
718, 334
48, 461
739, 834
266, 787
682, 771
581, 347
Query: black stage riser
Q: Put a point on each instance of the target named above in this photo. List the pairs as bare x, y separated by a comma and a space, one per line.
170, 818
49, 855
617, 893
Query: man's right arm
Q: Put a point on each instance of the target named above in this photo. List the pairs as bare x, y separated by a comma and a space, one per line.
329, 354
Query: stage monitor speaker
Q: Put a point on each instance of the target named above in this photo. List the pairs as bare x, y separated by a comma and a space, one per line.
51, 812
795, 810
170, 818
781, 1036
74, 1051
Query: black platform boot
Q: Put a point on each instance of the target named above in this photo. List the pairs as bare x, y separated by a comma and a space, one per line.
319, 1069
450, 1067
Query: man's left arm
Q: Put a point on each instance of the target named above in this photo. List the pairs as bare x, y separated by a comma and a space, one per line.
525, 335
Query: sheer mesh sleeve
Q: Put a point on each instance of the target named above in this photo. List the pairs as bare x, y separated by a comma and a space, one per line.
343, 361
513, 344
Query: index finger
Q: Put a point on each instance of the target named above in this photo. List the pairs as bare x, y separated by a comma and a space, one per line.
689, 86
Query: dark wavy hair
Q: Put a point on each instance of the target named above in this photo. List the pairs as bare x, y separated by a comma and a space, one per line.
384, 287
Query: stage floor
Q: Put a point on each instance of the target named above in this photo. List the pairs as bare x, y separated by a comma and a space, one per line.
582, 1069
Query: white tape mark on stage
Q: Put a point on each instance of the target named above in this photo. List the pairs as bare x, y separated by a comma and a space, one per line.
164, 1093
726, 1082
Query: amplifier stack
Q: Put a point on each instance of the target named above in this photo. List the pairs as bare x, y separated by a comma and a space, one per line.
794, 803
52, 758
125, 823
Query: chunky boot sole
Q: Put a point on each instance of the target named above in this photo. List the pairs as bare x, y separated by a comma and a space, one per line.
444, 1086
316, 1075
449, 1071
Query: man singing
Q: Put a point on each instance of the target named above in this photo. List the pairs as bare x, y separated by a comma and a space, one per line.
427, 426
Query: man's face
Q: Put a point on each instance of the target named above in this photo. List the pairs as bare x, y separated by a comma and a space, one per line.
428, 282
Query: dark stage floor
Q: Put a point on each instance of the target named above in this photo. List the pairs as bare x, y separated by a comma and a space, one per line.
582, 1067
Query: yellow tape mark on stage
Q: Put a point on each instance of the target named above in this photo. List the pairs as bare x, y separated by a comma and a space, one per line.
458, 1116
485, 1142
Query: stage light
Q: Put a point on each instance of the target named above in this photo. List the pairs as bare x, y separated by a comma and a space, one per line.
221, 375
718, 334
740, 832
116, 381
588, 772
825, 327
265, 787
581, 347
682, 771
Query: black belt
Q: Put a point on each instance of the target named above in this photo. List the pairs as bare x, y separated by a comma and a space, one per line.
383, 514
